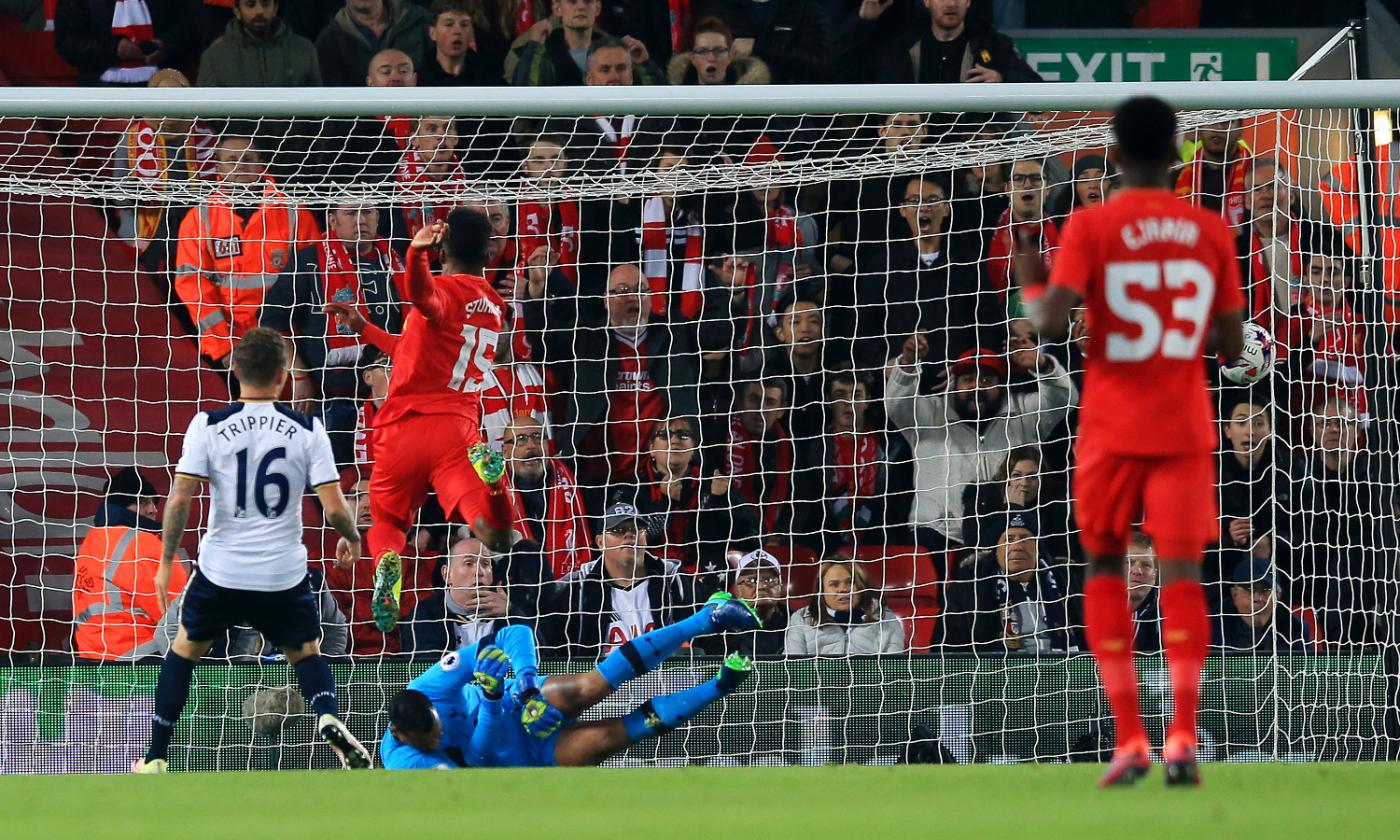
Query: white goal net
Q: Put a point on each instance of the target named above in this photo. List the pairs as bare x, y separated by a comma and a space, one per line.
785, 334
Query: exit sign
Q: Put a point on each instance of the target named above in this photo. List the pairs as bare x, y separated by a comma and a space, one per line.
1160, 59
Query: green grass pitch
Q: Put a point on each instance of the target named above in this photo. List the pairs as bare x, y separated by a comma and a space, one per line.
1321, 801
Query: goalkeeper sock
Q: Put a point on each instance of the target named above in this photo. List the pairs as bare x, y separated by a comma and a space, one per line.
317, 685
1185, 629
640, 655
1109, 628
172, 690
660, 715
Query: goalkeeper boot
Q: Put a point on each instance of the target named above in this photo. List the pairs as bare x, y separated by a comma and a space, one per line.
149, 768
388, 587
734, 672
352, 754
489, 463
729, 614
1130, 763
1179, 756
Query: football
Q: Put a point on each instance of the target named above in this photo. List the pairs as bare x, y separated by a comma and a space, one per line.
1256, 360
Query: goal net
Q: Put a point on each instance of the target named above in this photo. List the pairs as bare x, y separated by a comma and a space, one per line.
778, 335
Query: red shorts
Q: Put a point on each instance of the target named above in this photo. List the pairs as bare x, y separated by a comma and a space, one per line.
1174, 495
422, 451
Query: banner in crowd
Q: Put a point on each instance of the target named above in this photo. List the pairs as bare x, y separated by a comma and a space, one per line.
1160, 59
862, 710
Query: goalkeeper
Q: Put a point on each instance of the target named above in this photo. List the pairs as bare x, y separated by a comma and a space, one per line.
463, 712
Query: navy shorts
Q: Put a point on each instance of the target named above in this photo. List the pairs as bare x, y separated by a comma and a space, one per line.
287, 619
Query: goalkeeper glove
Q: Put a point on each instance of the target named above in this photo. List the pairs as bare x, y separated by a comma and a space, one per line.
527, 685
492, 664
540, 719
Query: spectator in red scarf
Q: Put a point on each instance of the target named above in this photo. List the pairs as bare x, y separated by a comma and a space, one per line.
1329, 327
691, 517
762, 459
122, 42
854, 457
548, 229
1025, 218
514, 387
672, 242
351, 265
1270, 248
1215, 176
430, 174
628, 371
547, 499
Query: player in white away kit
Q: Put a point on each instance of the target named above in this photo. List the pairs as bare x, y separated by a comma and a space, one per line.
257, 457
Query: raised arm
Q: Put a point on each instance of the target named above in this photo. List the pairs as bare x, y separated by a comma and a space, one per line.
416, 283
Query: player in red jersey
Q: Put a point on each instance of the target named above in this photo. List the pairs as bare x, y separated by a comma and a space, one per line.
1155, 275
428, 432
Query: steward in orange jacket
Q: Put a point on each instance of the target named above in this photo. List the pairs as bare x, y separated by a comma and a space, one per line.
234, 245
114, 593
1340, 190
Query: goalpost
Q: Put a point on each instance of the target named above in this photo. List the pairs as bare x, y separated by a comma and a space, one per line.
787, 243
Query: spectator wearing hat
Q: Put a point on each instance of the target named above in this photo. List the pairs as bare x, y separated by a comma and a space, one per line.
844, 617
962, 436
548, 500
1254, 620
1089, 184
625, 592
758, 580
1141, 561
115, 609
1009, 598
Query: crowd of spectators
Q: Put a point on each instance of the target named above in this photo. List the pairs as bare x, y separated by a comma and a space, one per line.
746, 390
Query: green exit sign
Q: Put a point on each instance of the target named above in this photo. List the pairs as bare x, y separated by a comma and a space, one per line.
1160, 59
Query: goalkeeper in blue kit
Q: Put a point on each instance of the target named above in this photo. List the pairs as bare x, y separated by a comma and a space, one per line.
464, 712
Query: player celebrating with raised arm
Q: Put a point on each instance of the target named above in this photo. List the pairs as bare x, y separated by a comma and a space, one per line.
428, 433
256, 456
1155, 274
529, 721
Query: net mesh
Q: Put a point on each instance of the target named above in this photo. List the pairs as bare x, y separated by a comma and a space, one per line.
706, 318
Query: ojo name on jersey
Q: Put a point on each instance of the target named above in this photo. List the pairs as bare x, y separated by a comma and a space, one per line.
1146, 231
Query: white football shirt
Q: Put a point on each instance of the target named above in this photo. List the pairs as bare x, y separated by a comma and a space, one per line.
259, 458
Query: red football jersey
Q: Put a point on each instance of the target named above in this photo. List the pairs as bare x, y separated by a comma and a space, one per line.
1152, 271
447, 346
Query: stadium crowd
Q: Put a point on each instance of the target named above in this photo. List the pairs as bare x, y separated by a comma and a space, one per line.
780, 392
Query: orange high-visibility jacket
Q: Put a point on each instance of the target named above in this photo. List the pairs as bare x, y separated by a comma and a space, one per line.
1340, 199
224, 265
114, 591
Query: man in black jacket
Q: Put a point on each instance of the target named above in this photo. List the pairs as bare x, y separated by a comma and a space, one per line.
954, 48
480, 594
626, 373
623, 594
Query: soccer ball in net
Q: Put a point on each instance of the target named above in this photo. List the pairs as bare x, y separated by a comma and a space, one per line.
1256, 360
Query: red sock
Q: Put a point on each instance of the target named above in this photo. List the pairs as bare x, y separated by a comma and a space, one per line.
497, 510
1109, 627
383, 537
1185, 634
